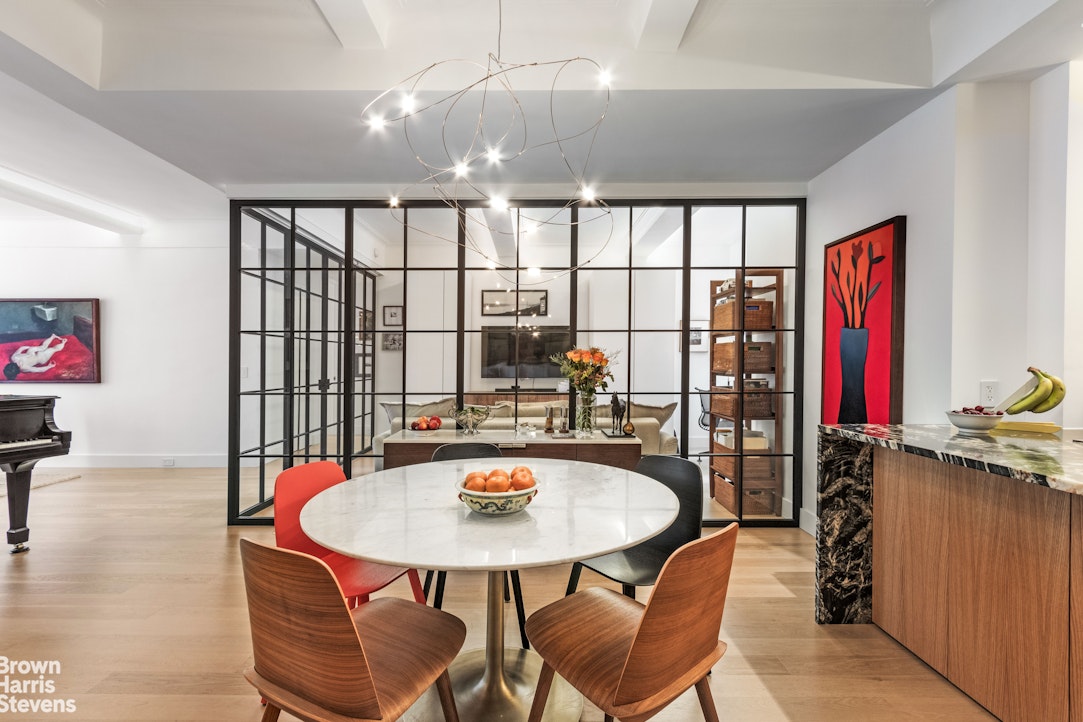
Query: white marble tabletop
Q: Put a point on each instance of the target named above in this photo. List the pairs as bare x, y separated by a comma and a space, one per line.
411, 516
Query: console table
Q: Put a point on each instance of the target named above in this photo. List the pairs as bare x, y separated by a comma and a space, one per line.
416, 447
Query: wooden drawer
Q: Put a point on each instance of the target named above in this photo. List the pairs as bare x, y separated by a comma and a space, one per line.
758, 315
759, 357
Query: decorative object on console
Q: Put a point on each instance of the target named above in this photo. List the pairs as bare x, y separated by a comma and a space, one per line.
587, 370
470, 417
864, 277
50, 340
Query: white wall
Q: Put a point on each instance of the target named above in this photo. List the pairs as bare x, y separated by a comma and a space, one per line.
906, 170
164, 338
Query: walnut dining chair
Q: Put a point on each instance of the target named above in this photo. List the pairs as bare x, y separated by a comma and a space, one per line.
630, 659
318, 659
476, 450
640, 565
359, 578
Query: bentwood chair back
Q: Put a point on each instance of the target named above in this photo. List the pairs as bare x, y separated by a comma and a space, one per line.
320, 660
293, 488
640, 565
632, 660
476, 450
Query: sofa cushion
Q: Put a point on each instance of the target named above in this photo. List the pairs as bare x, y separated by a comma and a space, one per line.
661, 413
442, 407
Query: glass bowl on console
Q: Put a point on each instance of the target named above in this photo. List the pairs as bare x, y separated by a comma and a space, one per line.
470, 418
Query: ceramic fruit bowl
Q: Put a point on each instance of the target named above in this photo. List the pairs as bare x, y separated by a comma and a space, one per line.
496, 503
974, 423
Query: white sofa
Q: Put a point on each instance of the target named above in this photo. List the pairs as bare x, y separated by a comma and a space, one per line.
649, 421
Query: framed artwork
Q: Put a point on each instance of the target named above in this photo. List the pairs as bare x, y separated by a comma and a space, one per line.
698, 337
54, 340
392, 315
513, 303
864, 278
391, 341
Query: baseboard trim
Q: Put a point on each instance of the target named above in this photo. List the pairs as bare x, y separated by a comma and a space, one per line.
135, 461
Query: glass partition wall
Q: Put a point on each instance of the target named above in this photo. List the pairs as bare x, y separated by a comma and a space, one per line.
351, 319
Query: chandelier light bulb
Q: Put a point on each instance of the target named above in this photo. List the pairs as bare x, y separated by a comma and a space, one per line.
493, 154
490, 264
588, 194
461, 169
394, 202
409, 103
533, 272
498, 204
376, 122
605, 78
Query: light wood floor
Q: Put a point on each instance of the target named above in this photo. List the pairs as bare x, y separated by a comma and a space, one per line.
133, 584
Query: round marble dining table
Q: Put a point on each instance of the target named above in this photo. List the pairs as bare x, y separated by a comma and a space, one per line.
411, 516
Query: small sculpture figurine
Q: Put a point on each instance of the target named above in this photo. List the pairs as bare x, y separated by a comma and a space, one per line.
618, 407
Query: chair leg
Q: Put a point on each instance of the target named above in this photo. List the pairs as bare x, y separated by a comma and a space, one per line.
270, 714
507, 597
628, 590
573, 578
541, 693
517, 588
420, 596
706, 701
438, 596
428, 583
447, 699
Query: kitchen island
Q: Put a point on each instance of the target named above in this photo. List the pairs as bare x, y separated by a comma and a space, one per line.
967, 549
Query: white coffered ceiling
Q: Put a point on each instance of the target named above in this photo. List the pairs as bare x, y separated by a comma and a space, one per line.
254, 95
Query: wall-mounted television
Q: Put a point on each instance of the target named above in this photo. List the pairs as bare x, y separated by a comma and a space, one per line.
508, 352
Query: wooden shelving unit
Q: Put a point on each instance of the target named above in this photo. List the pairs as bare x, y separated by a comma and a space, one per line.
746, 345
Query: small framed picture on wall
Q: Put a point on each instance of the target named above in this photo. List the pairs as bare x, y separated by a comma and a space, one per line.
392, 315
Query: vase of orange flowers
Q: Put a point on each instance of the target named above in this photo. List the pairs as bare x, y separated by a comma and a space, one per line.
587, 371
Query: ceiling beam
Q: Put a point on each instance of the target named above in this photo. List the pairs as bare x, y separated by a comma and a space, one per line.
358, 23
660, 25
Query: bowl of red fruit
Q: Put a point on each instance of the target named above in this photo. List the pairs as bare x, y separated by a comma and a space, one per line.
426, 425
975, 419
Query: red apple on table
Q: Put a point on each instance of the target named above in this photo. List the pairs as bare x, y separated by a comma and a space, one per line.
435, 422
413, 425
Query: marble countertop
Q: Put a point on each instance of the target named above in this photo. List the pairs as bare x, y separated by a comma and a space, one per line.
1053, 460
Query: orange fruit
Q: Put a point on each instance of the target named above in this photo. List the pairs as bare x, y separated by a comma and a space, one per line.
498, 473
476, 475
522, 481
517, 469
475, 484
500, 483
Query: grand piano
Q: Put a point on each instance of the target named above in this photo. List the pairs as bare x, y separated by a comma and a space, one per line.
28, 434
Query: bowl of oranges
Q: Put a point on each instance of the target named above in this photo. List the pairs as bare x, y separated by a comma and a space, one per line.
497, 491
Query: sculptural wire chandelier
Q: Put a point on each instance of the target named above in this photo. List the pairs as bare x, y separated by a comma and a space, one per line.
464, 170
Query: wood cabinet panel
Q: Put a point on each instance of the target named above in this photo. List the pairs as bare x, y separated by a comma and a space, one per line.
1008, 598
909, 546
623, 453
971, 572
1075, 611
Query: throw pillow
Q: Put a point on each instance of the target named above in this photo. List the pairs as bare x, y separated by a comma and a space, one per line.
441, 408
662, 413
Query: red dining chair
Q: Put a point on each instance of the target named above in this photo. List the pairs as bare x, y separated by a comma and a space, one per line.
358, 578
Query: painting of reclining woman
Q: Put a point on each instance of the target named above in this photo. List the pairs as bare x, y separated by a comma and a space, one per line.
50, 340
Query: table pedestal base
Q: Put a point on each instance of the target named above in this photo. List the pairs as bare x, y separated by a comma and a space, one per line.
479, 700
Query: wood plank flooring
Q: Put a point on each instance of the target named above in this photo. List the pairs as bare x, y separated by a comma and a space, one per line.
133, 585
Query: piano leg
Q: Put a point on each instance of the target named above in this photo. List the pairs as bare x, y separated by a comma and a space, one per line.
18, 483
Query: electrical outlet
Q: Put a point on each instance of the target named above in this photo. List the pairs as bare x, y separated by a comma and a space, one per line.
990, 393
168, 461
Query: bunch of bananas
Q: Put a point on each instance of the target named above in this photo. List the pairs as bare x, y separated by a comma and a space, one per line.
1046, 395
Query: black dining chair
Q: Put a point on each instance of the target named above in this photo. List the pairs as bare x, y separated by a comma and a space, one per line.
704, 409
476, 450
639, 566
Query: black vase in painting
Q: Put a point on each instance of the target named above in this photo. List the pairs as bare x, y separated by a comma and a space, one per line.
853, 348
